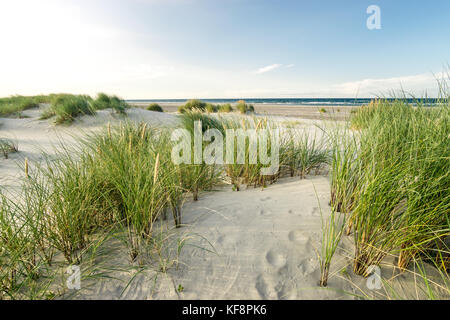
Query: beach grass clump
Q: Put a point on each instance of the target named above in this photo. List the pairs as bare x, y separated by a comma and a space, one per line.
65, 108
407, 155
104, 101
392, 178
72, 199
7, 146
225, 108
12, 252
345, 170
122, 180
193, 105
332, 231
197, 175
244, 164
364, 115
23, 268
302, 152
139, 180
244, 108
181, 109
211, 108
155, 107
16, 104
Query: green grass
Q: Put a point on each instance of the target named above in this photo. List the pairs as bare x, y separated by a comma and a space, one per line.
7, 146
243, 166
15, 105
301, 152
211, 108
65, 108
193, 105
197, 105
196, 177
225, 108
121, 181
332, 231
244, 108
392, 179
104, 101
181, 109
155, 107
345, 171
17, 255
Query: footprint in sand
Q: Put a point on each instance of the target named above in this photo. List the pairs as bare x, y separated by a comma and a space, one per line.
306, 267
275, 258
287, 293
315, 211
264, 288
298, 236
265, 212
226, 241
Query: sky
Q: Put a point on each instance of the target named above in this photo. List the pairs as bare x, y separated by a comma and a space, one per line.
176, 49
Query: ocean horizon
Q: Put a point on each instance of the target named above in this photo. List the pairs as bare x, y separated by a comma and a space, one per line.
288, 101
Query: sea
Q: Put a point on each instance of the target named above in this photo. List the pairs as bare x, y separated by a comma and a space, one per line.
287, 101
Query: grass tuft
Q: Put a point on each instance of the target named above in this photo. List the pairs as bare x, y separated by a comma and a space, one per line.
7, 146
155, 107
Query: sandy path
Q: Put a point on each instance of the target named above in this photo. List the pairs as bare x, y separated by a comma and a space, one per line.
264, 245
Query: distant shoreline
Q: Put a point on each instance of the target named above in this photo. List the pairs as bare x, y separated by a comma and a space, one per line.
319, 112
310, 102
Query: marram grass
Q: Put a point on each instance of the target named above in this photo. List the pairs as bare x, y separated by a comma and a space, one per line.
390, 175
121, 179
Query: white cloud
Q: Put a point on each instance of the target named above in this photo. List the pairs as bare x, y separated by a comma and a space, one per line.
268, 68
416, 85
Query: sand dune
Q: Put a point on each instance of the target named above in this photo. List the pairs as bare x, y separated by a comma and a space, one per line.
252, 244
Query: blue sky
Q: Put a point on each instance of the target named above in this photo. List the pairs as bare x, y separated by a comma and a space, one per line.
221, 48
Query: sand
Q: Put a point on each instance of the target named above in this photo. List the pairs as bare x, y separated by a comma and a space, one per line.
339, 113
253, 244
33, 136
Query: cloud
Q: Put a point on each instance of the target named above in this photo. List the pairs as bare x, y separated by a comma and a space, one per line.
413, 84
290, 65
268, 68
417, 85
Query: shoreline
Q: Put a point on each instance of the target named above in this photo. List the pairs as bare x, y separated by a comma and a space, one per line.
319, 112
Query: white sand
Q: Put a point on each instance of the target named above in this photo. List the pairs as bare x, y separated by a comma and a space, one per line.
34, 136
252, 244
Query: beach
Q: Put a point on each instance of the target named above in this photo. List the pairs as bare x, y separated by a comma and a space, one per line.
316, 112
224, 159
258, 243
